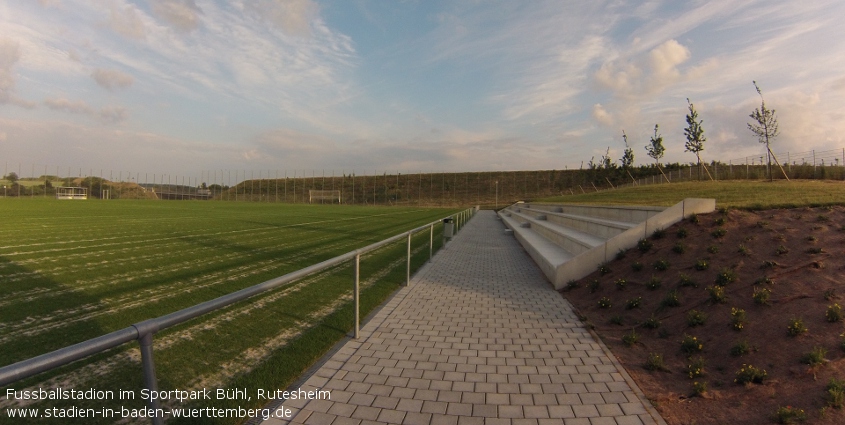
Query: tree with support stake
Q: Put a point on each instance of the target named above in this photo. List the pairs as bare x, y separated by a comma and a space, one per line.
765, 128
627, 158
695, 137
656, 150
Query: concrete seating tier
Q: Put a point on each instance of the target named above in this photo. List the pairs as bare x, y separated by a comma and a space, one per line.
570, 241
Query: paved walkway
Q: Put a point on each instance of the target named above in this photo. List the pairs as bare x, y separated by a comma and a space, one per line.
479, 337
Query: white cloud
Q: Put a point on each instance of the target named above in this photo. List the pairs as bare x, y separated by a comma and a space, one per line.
111, 78
113, 114
126, 21
647, 74
601, 115
74, 107
665, 58
9, 56
108, 114
183, 15
294, 17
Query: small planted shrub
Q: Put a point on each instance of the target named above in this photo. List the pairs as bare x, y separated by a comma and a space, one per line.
717, 294
604, 269
685, 280
651, 323
679, 248
743, 250
682, 233
750, 374
620, 283
835, 393
653, 283
833, 313
654, 362
671, 299
789, 415
616, 320
620, 254
726, 276
815, 250
737, 318
713, 249
815, 357
633, 303
764, 279
812, 238
605, 302
594, 286
781, 250
822, 218
696, 318
696, 368
691, 344
796, 327
720, 221
658, 234
761, 296
762, 224
661, 265
631, 339
768, 264
693, 218
829, 294
741, 348
644, 245
637, 266
699, 388
719, 233
701, 265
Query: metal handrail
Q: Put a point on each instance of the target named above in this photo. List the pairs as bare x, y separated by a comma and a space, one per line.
143, 331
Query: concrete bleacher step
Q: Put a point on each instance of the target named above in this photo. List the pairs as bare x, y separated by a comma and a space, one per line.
570, 241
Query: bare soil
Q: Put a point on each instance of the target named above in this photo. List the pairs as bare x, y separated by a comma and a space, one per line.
797, 254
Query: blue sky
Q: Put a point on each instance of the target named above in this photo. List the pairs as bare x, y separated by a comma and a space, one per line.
182, 86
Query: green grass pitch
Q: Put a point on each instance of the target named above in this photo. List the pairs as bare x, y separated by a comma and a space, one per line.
74, 270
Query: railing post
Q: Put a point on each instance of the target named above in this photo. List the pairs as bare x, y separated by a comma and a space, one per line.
430, 242
148, 363
356, 290
408, 269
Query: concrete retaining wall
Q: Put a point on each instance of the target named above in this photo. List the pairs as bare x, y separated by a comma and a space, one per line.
587, 262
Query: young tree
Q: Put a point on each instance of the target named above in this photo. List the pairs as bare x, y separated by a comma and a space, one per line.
606, 162
12, 177
656, 150
627, 158
695, 135
628, 155
765, 127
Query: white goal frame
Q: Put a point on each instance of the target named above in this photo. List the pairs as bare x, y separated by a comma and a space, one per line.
68, 192
320, 195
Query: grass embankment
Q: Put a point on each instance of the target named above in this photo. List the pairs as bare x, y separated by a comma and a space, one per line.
74, 270
730, 194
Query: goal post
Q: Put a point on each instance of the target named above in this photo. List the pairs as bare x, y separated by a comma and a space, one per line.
66, 192
321, 195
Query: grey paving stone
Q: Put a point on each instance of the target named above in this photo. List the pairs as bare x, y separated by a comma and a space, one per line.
478, 338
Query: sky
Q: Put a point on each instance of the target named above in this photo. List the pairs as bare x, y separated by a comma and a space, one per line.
373, 86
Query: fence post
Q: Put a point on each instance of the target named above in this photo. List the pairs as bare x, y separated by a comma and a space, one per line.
408, 269
148, 363
430, 242
356, 289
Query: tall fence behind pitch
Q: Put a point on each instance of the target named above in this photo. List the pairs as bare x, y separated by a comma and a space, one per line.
490, 188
